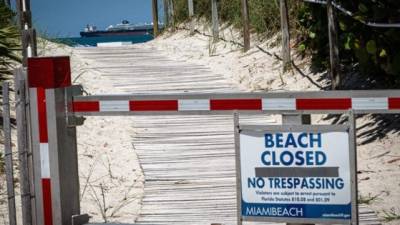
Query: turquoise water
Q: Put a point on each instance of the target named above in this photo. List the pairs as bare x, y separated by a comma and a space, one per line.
92, 41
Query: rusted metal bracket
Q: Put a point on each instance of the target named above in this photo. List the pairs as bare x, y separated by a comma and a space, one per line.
80, 219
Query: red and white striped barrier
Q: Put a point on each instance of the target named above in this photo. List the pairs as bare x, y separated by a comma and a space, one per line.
54, 146
55, 163
366, 102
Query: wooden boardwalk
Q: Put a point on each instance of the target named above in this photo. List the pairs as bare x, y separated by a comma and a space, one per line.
188, 161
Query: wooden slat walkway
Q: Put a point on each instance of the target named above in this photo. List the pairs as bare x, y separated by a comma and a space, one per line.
188, 161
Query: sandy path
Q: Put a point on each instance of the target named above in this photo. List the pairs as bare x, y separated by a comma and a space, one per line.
187, 183
188, 162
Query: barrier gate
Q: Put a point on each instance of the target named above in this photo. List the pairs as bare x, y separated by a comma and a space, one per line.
57, 108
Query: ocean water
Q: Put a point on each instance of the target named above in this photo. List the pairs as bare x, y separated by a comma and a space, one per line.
92, 41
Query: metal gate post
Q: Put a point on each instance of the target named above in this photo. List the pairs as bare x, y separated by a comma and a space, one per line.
296, 119
54, 143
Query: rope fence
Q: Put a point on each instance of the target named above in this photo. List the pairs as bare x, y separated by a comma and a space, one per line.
349, 13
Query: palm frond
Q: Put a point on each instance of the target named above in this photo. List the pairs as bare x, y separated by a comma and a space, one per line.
9, 46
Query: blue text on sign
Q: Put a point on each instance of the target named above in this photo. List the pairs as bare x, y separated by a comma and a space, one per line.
303, 140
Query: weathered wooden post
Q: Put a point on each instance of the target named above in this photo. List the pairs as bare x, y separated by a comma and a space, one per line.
24, 156
29, 45
246, 25
53, 142
155, 17
285, 35
296, 119
24, 14
353, 157
333, 46
191, 16
8, 157
166, 13
29, 49
171, 14
215, 22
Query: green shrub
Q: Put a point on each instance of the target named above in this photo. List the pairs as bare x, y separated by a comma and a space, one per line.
180, 10
375, 50
264, 14
9, 40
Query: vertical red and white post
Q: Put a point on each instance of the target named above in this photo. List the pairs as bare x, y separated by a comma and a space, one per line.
54, 145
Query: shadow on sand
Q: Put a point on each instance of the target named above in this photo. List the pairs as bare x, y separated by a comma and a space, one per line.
377, 127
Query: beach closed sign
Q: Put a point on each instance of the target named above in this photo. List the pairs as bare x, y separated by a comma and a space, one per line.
295, 173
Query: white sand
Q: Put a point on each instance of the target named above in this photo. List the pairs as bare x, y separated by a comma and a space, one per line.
111, 179
109, 167
378, 162
252, 71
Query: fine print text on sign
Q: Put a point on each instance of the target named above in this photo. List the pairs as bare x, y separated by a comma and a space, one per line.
287, 174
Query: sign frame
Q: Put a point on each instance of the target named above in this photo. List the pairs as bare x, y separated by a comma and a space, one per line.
349, 128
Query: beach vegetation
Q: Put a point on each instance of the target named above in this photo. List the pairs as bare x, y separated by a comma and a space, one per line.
391, 215
9, 41
372, 51
264, 15
9, 46
366, 200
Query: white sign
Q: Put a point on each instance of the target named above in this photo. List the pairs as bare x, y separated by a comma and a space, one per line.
295, 174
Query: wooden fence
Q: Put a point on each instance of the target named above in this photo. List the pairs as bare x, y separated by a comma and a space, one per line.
29, 49
8, 155
285, 29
